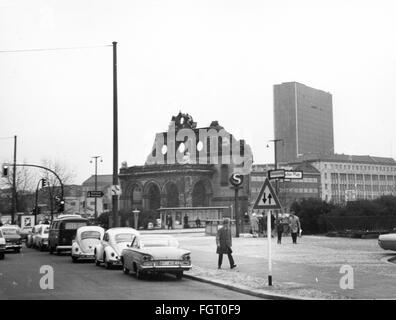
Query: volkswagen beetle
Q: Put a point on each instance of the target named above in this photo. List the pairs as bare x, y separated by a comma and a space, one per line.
108, 251
84, 244
155, 254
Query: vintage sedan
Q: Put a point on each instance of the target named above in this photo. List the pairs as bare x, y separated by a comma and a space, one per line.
108, 251
25, 231
12, 237
40, 238
84, 244
155, 254
388, 241
2, 245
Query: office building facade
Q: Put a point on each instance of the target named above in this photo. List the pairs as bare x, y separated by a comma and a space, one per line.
303, 119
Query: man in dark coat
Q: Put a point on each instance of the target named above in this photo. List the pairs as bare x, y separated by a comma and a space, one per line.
224, 243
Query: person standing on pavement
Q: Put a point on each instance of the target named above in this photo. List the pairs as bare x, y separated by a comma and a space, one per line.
254, 223
295, 226
279, 228
169, 221
224, 243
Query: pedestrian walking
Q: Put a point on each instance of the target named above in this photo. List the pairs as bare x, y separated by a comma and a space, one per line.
279, 228
198, 223
254, 223
295, 226
224, 243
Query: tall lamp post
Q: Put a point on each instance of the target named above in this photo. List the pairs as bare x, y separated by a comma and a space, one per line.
96, 181
275, 141
135, 217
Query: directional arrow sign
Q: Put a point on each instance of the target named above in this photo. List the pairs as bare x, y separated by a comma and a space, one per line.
267, 198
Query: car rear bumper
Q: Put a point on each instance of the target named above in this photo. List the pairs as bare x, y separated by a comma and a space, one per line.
83, 255
166, 268
12, 246
63, 248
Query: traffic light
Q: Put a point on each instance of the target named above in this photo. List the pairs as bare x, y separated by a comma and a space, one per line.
5, 171
60, 205
44, 183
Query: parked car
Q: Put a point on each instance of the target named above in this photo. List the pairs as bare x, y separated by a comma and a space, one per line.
84, 244
25, 231
2, 245
30, 237
155, 254
40, 239
108, 251
62, 231
12, 237
388, 241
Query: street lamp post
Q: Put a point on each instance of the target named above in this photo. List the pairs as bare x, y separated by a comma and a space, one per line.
275, 141
136, 217
96, 181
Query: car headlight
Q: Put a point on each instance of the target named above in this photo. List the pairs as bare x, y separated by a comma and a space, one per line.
186, 257
112, 254
76, 249
147, 258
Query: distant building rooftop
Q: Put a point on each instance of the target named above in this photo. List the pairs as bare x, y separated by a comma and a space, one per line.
348, 158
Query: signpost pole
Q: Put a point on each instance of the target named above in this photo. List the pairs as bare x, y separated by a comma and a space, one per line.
236, 212
269, 236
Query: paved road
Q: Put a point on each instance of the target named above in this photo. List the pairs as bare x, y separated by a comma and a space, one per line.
20, 278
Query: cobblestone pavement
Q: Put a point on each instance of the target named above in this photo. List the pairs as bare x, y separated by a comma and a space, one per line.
310, 269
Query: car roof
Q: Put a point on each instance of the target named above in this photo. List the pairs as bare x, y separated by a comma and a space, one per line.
114, 231
90, 228
12, 226
69, 216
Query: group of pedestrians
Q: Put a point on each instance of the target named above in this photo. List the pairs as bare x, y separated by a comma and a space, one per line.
224, 236
279, 224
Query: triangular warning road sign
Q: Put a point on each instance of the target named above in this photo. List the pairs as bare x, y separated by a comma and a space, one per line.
267, 198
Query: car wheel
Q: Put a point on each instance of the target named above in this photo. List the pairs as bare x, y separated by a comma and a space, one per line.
58, 252
97, 262
125, 269
139, 274
2, 256
74, 259
107, 264
41, 247
179, 275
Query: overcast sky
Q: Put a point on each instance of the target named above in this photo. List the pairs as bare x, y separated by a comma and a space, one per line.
214, 59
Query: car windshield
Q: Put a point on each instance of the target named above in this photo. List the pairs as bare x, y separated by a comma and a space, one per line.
74, 225
158, 243
10, 231
124, 237
90, 235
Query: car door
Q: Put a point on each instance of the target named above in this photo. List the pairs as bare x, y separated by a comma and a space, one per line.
104, 244
128, 254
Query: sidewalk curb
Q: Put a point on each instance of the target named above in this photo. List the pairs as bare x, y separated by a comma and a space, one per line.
246, 290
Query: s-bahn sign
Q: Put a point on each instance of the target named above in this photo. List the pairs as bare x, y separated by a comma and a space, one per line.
236, 179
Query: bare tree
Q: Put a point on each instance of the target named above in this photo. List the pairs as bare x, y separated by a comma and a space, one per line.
24, 185
53, 188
